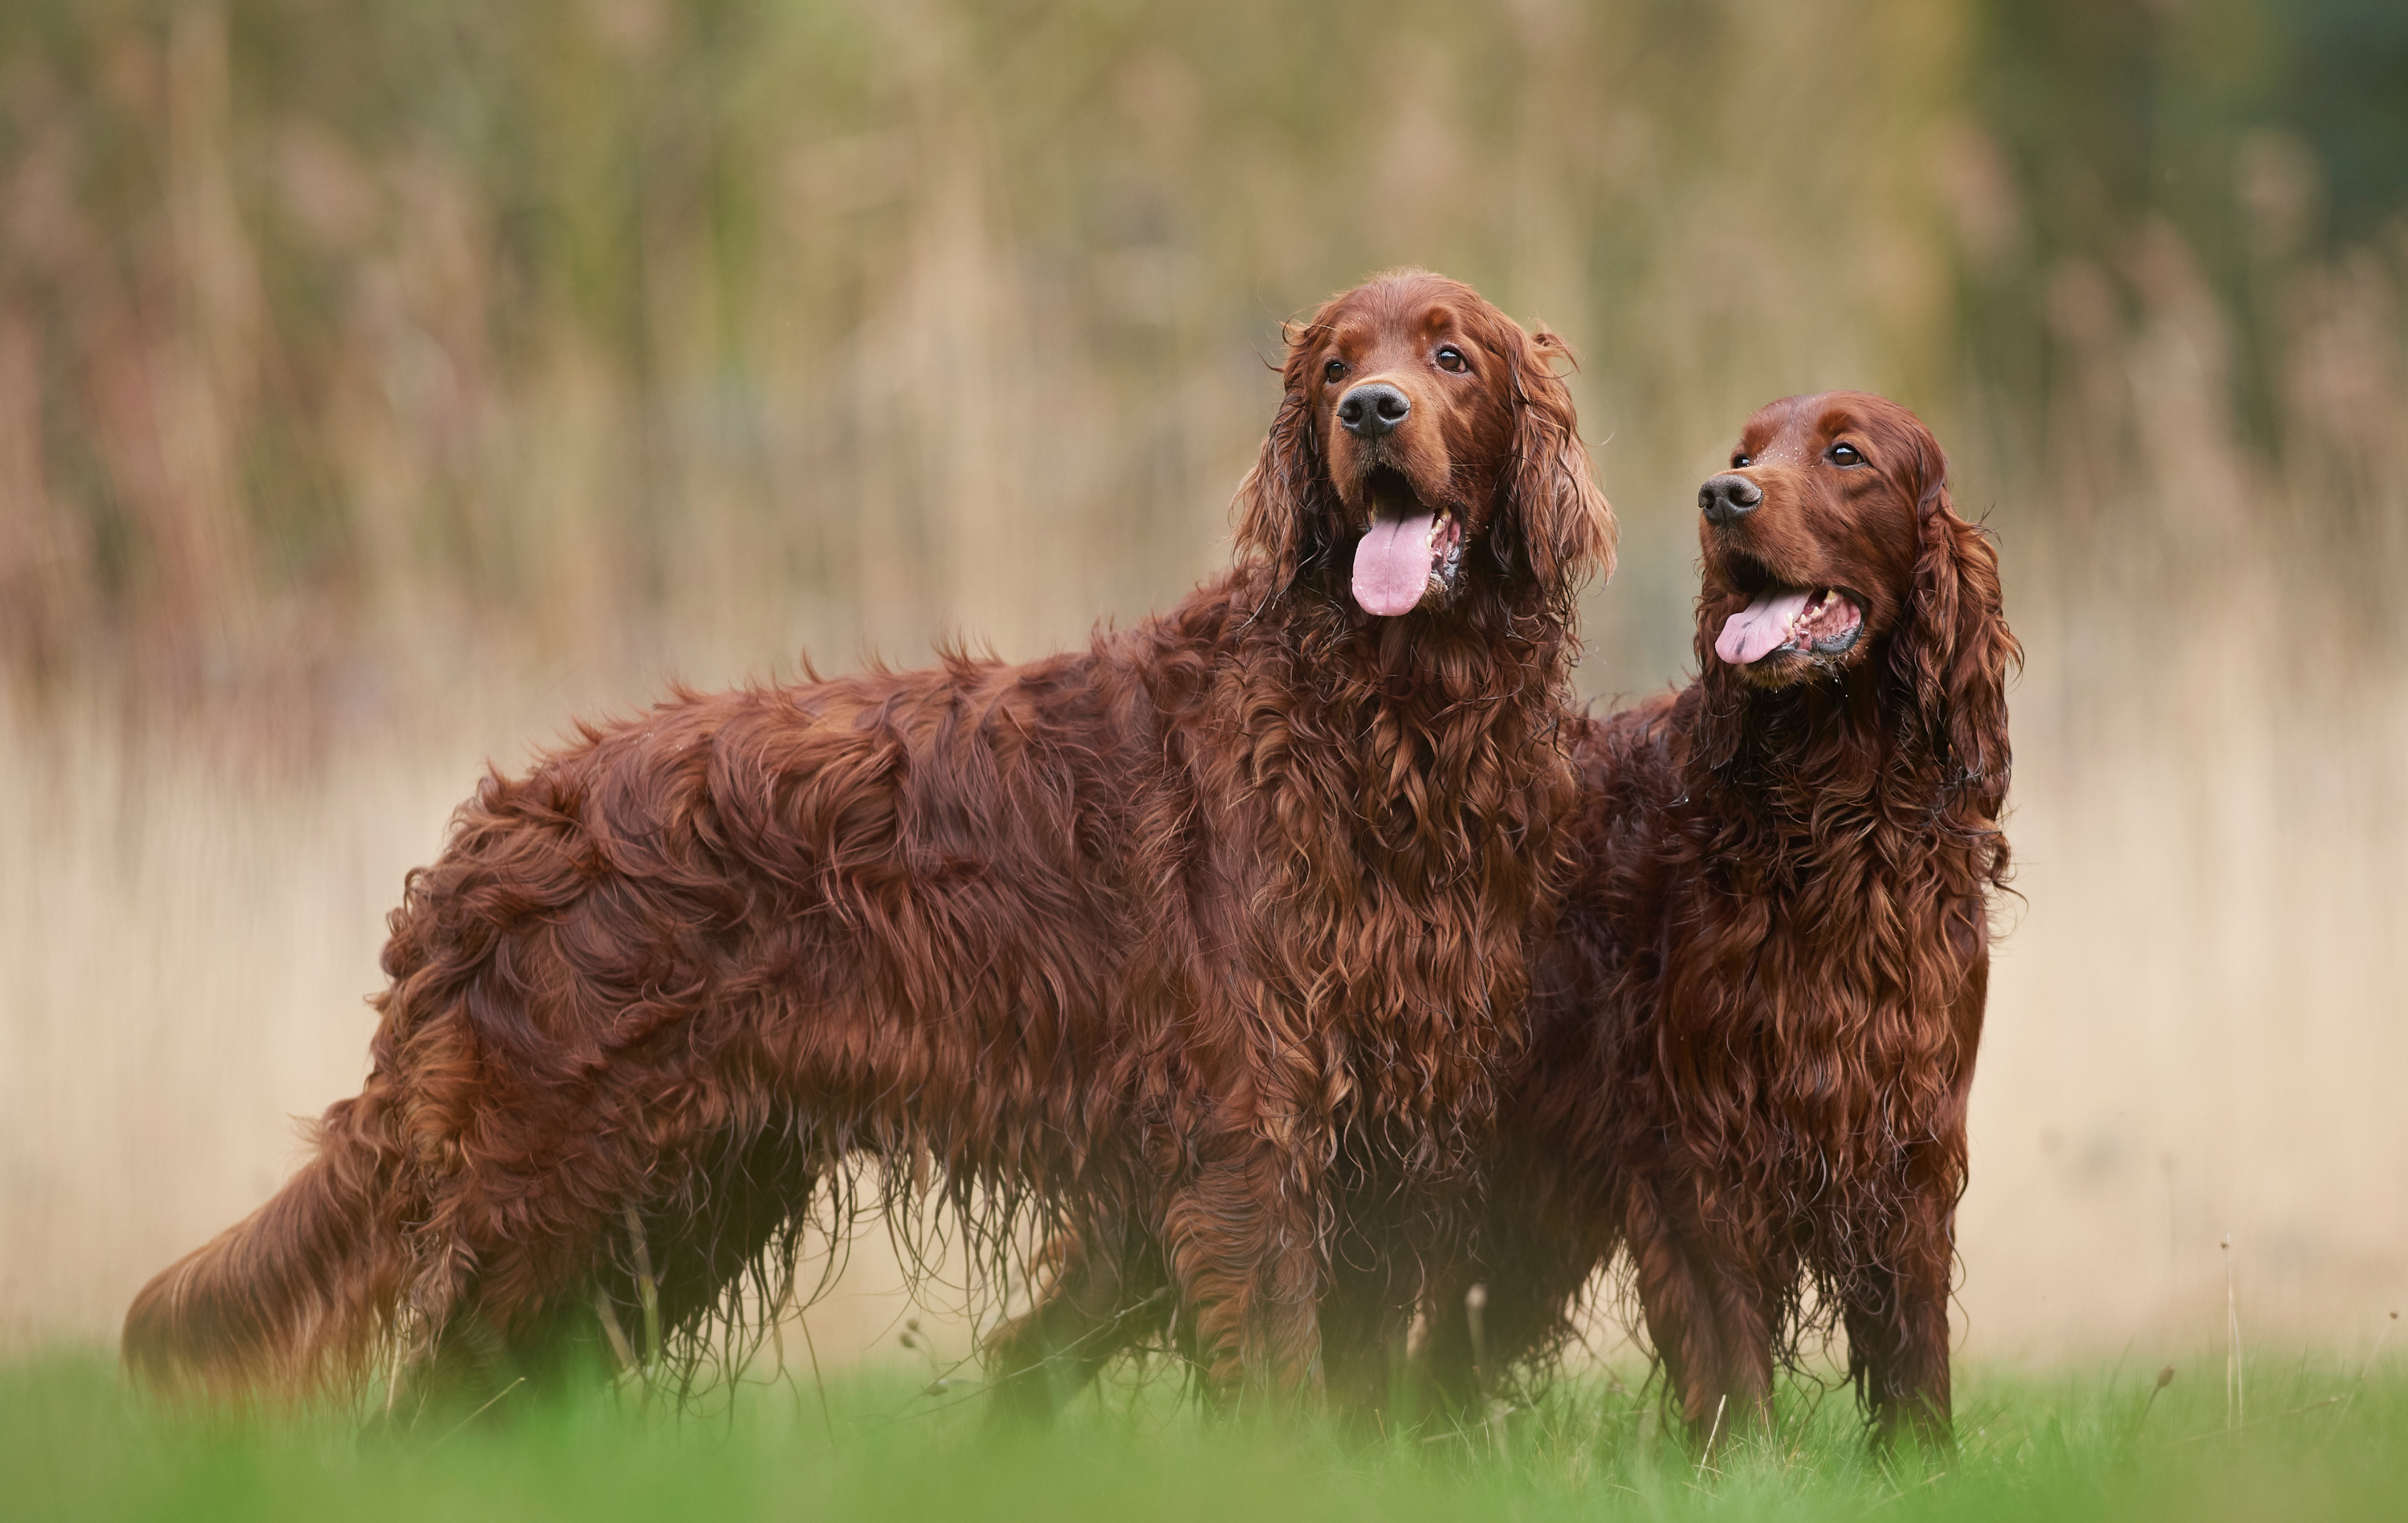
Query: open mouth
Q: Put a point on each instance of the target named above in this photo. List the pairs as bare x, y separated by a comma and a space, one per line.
1824, 622
1410, 550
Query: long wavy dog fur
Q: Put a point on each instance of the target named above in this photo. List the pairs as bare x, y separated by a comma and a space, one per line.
1213, 933
1754, 1037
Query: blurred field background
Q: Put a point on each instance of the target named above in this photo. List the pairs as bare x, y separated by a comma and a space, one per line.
382, 386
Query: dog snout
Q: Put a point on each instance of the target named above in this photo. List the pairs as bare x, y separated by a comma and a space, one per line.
1727, 497
1373, 410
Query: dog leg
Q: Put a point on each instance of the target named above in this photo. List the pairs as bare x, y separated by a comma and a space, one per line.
1106, 1293
1362, 1336
1707, 1318
1896, 1320
514, 1260
1247, 1261
1546, 1228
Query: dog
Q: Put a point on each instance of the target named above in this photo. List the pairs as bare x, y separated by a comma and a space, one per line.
1753, 1034
1210, 938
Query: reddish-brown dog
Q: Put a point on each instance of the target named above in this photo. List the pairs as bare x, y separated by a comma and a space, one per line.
1754, 1037
1210, 935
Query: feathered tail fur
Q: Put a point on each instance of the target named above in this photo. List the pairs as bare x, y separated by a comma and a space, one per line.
294, 1299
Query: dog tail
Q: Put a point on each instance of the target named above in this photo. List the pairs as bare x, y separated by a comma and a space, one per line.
298, 1298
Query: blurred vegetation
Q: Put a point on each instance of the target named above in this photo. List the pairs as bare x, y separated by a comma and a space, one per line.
2316, 1442
344, 345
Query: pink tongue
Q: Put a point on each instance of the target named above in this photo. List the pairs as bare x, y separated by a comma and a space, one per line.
1758, 627
1392, 564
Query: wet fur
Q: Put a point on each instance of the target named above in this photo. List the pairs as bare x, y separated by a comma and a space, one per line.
1753, 1040
1211, 934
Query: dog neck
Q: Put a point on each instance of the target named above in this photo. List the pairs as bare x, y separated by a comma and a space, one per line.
1804, 768
1404, 773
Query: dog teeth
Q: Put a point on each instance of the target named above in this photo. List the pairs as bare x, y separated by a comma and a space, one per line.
1800, 632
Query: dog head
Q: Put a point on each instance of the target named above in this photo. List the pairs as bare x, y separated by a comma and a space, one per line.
1424, 442
1831, 546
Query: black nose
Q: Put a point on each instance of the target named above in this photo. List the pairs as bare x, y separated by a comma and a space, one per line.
1728, 496
1372, 411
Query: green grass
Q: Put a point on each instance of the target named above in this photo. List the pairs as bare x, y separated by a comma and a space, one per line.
73, 1446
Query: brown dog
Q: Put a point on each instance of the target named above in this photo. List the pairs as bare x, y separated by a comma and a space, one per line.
1754, 1037
1210, 935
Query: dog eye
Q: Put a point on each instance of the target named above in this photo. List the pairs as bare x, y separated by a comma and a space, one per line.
1741, 461
1844, 455
1333, 369
1451, 358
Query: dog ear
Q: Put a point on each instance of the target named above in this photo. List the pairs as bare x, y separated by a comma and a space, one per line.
1958, 651
1287, 508
1552, 515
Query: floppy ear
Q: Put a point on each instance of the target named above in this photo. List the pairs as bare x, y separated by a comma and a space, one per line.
1552, 518
1957, 649
1287, 508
